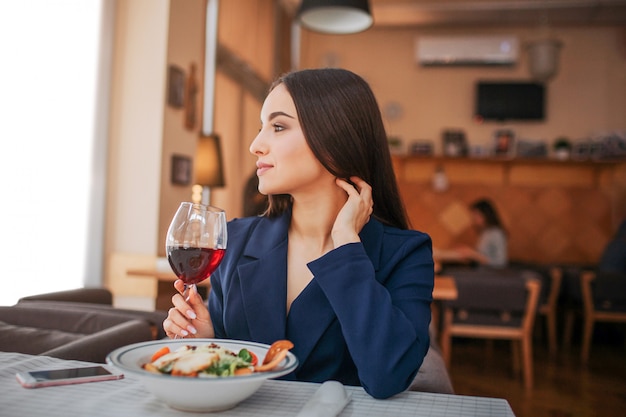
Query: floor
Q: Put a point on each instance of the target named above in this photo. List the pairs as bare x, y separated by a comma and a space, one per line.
563, 387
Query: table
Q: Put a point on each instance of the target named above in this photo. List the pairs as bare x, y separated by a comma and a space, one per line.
165, 289
444, 289
127, 397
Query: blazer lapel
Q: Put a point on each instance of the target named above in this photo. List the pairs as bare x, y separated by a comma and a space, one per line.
263, 278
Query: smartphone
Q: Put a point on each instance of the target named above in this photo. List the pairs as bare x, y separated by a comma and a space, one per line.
48, 378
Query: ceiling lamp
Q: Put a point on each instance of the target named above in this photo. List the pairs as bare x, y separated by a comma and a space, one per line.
544, 59
337, 17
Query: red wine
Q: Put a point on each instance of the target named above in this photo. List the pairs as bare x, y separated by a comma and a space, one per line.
193, 265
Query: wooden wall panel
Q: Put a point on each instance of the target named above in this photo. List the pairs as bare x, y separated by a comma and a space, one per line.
554, 212
246, 27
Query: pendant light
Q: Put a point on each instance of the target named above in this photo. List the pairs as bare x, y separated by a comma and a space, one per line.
337, 17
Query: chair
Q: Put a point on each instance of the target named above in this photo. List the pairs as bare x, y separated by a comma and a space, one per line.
548, 303
433, 375
551, 285
495, 304
550, 307
604, 299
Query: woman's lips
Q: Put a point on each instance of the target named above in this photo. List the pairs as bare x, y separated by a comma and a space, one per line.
262, 168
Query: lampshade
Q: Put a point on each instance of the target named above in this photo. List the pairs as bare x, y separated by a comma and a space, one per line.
544, 59
208, 170
335, 16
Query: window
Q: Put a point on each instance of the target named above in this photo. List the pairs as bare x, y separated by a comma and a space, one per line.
49, 167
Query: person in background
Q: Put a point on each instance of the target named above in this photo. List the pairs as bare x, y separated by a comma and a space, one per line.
492, 246
613, 257
331, 265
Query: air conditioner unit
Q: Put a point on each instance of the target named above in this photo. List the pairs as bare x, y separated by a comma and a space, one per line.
467, 50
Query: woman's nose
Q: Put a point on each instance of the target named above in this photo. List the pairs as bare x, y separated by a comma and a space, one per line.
257, 147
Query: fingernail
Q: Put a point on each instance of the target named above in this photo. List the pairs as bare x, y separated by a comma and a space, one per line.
191, 314
184, 333
192, 329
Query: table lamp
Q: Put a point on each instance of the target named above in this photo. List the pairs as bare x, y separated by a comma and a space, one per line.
208, 167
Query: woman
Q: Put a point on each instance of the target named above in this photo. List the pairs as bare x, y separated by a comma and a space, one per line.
492, 245
331, 265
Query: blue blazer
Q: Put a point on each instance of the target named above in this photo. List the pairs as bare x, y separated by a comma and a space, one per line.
362, 320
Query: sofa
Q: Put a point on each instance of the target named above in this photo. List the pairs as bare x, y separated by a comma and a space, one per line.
79, 324
82, 324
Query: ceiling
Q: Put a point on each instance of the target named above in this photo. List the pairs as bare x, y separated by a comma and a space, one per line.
447, 13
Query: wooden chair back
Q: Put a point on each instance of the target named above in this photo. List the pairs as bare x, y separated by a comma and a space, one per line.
494, 304
604, 299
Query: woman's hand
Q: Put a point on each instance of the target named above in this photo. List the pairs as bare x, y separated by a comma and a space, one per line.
188, 318
355, 213
472, 254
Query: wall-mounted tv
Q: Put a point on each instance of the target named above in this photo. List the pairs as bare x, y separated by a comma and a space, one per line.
510, 100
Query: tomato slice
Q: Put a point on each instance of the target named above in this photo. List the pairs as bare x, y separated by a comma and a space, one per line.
255, 358
248, 356
277, 346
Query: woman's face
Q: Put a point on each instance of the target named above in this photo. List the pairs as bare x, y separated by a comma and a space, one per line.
478, 219
285, 164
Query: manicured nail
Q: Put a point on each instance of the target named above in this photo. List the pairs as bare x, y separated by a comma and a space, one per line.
184, 333
191, 314
192, 329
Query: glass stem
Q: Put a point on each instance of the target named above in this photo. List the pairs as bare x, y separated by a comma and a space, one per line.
186, 296
187, 290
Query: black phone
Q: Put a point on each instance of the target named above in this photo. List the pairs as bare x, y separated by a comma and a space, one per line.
53, 377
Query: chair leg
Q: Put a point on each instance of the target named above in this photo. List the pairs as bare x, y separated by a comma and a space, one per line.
587, 336
446, 342
570, 316
515, 355
434, 320
552, 343
528, 362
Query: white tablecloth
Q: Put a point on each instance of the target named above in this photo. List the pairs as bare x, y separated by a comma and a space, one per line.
127, 397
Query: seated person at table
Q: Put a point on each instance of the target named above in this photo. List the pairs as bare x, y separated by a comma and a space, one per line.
491, 248
331, 265
613, 257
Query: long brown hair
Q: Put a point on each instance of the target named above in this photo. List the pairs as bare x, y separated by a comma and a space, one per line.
342, 125
488, 210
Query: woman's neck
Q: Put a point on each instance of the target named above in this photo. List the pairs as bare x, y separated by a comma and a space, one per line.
313, 216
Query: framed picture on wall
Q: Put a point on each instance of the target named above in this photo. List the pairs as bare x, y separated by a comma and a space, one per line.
454, 143
504, 142
175, 86
181, 170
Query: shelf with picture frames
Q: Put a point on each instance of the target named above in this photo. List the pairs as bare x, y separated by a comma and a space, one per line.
508, 170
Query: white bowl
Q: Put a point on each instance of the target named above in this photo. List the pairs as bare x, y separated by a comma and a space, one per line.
196, 394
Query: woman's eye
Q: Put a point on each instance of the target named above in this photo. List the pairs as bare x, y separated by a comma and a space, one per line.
278, 128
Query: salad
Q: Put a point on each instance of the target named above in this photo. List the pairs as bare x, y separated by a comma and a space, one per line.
213, 360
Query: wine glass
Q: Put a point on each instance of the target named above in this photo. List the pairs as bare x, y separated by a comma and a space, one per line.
196, 242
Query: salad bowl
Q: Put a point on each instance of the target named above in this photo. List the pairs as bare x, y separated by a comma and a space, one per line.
197, 393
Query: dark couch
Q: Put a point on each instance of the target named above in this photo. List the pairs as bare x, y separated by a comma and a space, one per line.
79, 324
82, 324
